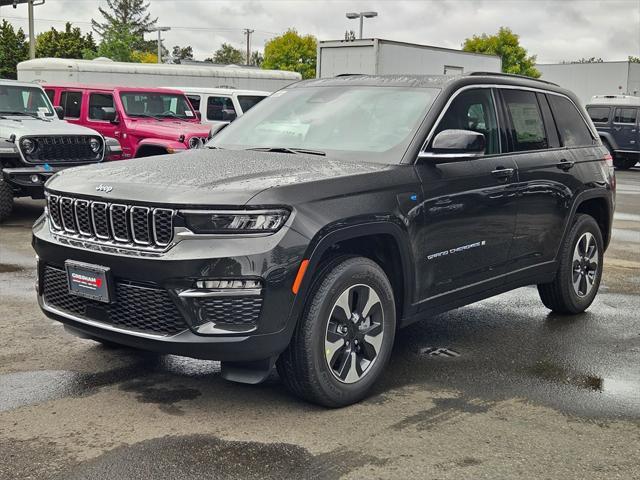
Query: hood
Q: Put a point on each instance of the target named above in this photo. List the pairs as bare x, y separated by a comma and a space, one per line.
201, 177
169, 129
20, 126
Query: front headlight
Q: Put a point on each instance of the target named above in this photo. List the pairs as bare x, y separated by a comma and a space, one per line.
244, 221
28, 146
95, 145
195, 142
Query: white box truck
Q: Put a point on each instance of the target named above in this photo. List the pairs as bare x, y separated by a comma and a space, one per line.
375, 56
105, 71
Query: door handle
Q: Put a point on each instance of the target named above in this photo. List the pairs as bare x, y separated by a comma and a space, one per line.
565, 164
503, 173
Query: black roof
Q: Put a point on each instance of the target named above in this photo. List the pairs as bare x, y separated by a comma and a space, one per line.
425, 81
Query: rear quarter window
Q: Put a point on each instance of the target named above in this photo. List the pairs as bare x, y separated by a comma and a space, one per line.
625, 115
599, 114
571, 125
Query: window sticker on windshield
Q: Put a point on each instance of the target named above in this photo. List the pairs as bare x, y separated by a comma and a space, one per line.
188, 113
285, 128
279, 94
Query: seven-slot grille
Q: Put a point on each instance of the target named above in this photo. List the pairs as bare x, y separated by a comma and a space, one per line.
67, 149
111, 222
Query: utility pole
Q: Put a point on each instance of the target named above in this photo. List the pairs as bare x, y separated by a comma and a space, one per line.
32, 33
160, 30
248, 33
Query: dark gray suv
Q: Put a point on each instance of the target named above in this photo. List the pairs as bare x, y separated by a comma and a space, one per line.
616, 119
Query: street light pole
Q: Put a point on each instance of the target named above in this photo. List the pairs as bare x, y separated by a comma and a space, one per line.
160, 30
248, 33
361, 16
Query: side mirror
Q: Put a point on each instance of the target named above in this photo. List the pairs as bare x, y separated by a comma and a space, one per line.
59, 111
452, 145
109, 114
229, 115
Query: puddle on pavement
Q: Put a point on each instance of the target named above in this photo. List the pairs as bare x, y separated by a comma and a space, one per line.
148, 391
201, 456
8, 268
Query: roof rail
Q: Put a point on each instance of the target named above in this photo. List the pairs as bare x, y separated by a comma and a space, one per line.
510, 75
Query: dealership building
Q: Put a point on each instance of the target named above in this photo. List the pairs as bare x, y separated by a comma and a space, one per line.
589, 79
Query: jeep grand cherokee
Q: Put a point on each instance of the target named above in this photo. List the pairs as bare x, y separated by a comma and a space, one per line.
335, 212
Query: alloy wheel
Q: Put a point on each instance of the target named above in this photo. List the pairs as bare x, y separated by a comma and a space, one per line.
585, 264
354, 333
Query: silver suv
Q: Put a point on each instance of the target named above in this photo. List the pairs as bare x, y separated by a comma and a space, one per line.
35, 143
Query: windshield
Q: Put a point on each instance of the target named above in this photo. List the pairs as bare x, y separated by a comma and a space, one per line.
19, 100
353, 122
159, 105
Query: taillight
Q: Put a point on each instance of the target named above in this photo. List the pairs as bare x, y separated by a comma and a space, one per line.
608, 160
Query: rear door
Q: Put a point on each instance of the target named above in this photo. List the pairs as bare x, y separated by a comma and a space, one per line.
547, 180
625, 128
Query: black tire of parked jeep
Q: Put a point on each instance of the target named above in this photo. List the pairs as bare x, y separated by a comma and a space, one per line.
6, 199
335, 355
580, 271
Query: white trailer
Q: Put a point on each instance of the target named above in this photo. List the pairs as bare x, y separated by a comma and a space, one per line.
375, 56
589, 79
62, 70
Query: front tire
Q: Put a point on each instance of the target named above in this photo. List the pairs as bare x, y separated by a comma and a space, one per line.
6, 199
578, 277
344, 339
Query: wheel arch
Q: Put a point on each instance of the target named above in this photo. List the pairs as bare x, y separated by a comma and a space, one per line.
599, 206
607, 137
382, 241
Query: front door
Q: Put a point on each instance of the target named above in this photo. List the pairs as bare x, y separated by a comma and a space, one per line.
469, 210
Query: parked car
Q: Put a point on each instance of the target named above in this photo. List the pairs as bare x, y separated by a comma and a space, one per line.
337, 211
616, 119
222, 105
35, 143
146, 121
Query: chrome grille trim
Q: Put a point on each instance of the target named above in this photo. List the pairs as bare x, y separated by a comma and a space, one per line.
106, 223
78, 202
155, 214
134, 211
112, 207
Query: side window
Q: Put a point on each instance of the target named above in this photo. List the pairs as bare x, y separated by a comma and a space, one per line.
51, 94
195, 101
249, 101
220, 108
625, 115
571, 126
599, 114
96, 103
473, 110
527, 131
72, 103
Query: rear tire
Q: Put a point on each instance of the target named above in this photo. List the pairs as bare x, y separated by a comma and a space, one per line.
578, 277
344, 339
6, 199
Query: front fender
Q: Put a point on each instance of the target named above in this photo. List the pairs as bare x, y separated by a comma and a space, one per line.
171, 146
609, 138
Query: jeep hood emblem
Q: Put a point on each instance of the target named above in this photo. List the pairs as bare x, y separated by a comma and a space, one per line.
104, 188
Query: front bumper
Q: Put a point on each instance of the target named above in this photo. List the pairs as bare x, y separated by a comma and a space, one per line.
272, 259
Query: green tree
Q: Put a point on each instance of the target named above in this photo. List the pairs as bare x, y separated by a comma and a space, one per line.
125, 12
256, 58
293, 52
117, 44
67, 43
506, 45
633, 59
228, 54
13, 49
181, 53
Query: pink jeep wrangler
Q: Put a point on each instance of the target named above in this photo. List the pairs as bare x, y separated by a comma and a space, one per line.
145, 121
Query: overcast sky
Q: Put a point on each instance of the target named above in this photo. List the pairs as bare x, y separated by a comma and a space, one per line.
553, 30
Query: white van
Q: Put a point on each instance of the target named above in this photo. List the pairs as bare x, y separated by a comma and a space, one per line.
222, 105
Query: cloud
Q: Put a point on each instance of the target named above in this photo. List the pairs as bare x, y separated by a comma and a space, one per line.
552, 30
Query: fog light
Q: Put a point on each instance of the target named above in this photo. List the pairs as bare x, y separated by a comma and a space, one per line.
35, 178
228, 284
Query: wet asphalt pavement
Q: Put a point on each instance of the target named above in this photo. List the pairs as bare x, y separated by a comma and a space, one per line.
498, 389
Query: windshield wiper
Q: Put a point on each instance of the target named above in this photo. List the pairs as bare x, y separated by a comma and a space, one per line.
145, 115
288, 150
27, 114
